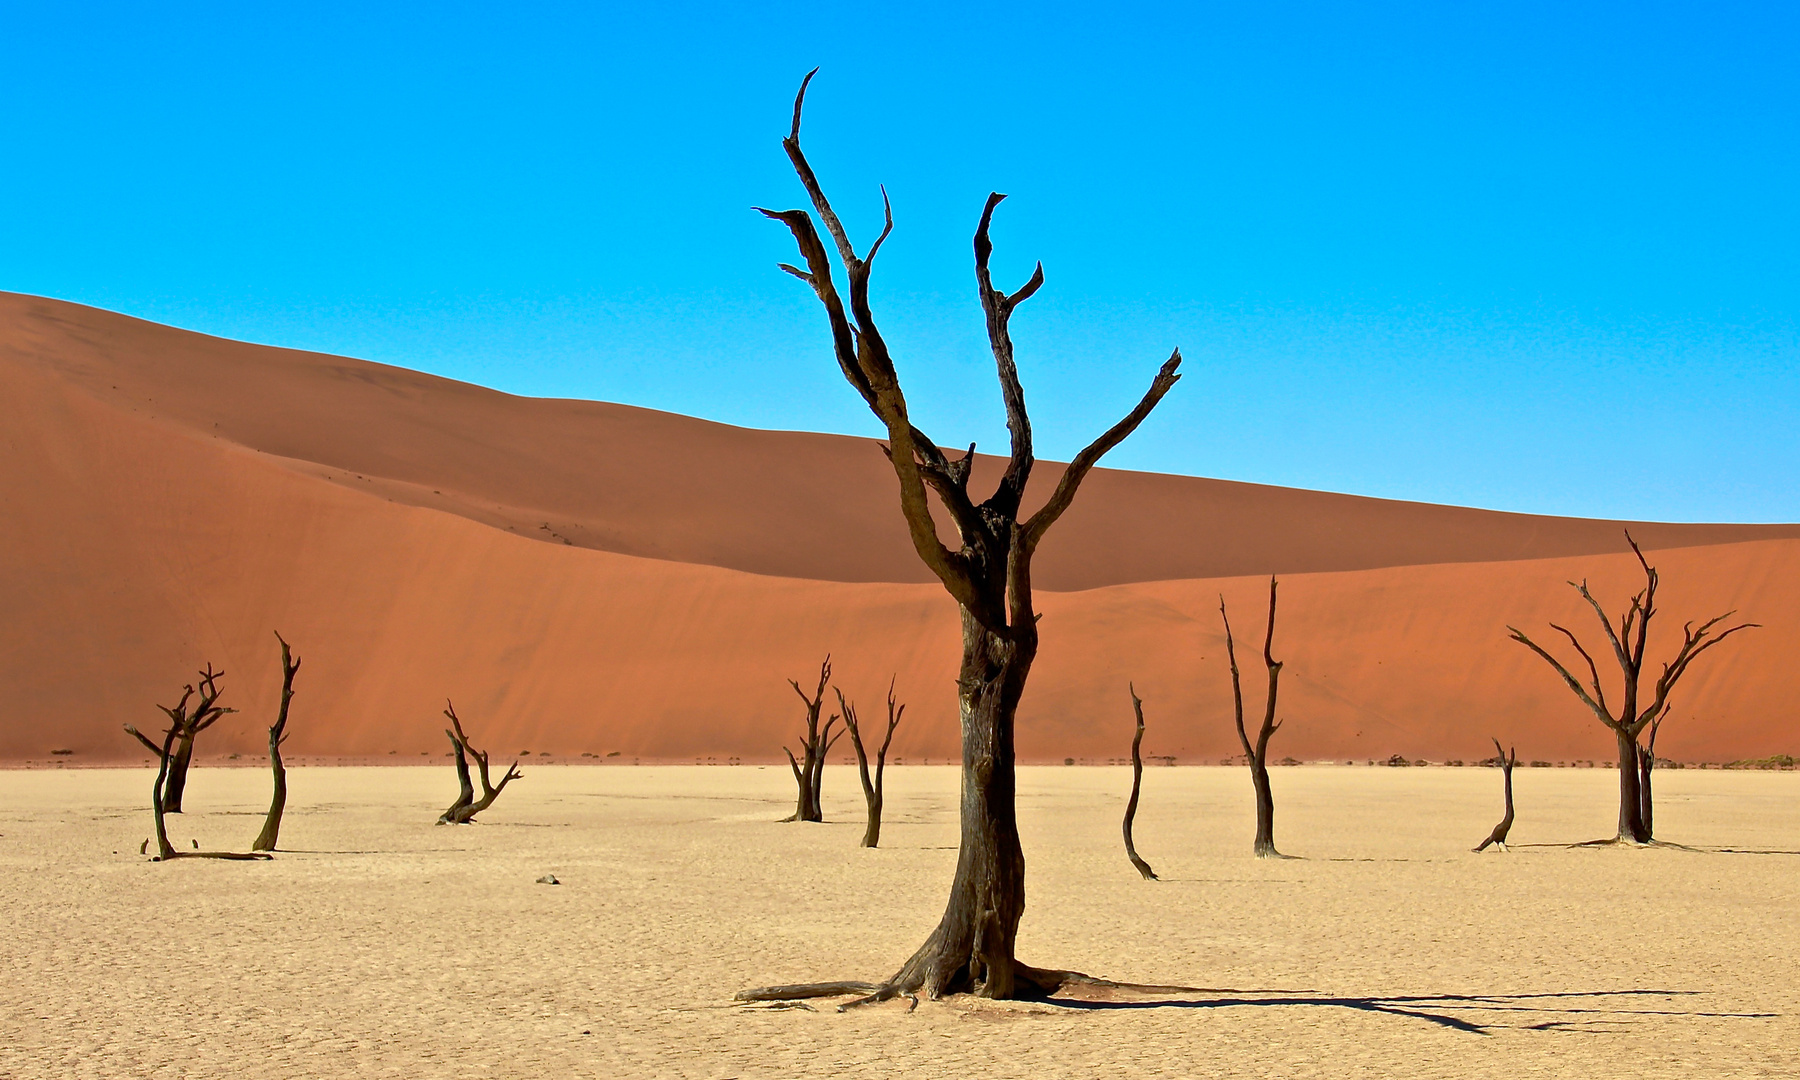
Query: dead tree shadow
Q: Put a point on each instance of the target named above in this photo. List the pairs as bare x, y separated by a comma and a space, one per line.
1560, 1010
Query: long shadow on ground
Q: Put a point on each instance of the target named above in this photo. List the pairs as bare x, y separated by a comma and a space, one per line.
1561, 1010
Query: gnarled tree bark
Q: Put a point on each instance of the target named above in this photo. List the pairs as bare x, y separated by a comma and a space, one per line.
872, 792
1507, 762
1632, 718
271, 830
466, 806
1137, 778
989, 576
1258, 752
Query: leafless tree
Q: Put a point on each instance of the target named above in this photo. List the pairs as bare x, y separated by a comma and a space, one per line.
1137, 779
466, 806
186, 725
871, 789
1507, 762
989, 576
1257, 753
809, 770
271, 830
1633, 717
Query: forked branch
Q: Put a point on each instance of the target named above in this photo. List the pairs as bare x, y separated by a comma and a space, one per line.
466, 806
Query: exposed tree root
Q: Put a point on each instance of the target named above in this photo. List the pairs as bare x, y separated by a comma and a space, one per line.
799, 991
236, 856
1626, 841
1030, 984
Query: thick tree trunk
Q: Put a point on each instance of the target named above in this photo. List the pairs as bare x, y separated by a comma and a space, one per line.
1265, 810
872, 827
1646, 805
1631, 807
805, 806
159, 802
178, 771
972, 947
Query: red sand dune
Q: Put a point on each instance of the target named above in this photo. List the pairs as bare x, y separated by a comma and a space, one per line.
171, 498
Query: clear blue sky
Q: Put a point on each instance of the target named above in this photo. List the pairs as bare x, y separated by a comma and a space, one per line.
1538, 257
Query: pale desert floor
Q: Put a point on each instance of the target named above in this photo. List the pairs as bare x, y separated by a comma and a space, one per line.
385, 946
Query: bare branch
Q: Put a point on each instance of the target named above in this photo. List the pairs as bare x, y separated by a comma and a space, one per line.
1599, 692
999, 308
1624, 658
1237, 688
1078, 469
1580, 692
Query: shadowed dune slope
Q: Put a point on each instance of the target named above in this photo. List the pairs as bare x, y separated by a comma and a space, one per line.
139, 541
637, 482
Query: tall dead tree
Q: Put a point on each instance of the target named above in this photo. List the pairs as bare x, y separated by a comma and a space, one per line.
809, 768
1137, 779
271, 830
1632, 718
1506, 762
176, 754
466, 806
1258, 752
989, 576
871, 789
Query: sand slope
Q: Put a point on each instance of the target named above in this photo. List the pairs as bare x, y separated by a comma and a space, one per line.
138, 541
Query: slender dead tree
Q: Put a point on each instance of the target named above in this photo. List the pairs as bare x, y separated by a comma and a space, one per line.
466, 806
186, 725
1258, 753
871, 789
1628, 641
1137, 778
1507, 762
809, 769
271, 830
989, 576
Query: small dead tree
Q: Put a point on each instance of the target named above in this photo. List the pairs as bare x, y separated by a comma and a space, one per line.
185, 725
809, 769
1258, 752
1628, 641
989, 576
466, 806
1137, 778
871, 790
1506, 762
271, 830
